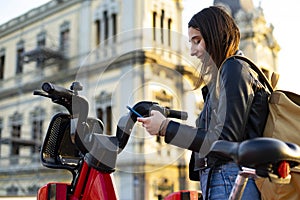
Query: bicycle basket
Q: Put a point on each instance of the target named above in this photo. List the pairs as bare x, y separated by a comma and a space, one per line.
58, 150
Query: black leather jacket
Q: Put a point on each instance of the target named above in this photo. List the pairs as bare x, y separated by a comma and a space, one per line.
237, 111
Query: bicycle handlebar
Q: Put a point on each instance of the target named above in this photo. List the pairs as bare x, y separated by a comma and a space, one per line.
144, 108
172, 113
57, 90
78, 106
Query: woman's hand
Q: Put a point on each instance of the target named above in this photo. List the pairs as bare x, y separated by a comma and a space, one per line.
153, 123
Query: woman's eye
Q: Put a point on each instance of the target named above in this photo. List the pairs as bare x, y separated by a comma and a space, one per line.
196, 41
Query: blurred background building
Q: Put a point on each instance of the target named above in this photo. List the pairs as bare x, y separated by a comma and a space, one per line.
122, 52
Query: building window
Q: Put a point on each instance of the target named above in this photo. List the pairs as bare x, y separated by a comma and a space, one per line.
114, 26
100, 114
98, 31
37, 121
20, 51
16, 134
169, 31
108, 120
106, 20
65, 38
2, 63
41, 42
106, 26
12, 190
16, 126
154, 25
104, 111
37, 131
162, 18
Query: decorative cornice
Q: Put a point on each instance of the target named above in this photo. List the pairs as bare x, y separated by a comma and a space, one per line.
35, 15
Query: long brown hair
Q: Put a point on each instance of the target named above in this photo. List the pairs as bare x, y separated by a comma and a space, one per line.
219, 31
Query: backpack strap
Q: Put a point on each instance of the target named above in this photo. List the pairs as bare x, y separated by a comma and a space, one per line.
263, 79
274, 79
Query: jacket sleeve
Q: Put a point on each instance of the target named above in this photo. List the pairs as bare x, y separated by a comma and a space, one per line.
228, 115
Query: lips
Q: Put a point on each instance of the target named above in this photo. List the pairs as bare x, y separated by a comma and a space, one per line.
201, 57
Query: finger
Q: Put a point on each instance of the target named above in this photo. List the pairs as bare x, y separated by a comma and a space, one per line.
153, 112
140, 119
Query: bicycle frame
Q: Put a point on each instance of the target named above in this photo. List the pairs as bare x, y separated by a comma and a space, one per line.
91, 184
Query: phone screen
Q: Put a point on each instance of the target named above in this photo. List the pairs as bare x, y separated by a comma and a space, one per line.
135, 112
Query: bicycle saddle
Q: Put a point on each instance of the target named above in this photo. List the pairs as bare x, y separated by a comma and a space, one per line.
258, 153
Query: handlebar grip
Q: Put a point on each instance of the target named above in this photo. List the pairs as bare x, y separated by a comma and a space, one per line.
177, 114
57, 90
167, 112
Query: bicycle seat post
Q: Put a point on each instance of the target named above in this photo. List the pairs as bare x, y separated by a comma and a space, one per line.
241, 182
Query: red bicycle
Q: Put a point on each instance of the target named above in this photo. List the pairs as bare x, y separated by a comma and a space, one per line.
75, 142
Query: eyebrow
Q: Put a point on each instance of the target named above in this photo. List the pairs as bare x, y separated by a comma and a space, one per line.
194, 37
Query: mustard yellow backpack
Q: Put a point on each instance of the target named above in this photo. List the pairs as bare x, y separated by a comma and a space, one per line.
283, 123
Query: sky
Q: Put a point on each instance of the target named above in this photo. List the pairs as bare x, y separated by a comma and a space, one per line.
284, 15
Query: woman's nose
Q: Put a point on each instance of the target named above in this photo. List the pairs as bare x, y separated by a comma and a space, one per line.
193, 51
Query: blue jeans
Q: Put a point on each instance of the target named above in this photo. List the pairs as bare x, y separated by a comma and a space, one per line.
221, 183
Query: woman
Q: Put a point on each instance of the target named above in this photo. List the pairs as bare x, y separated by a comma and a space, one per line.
235, 105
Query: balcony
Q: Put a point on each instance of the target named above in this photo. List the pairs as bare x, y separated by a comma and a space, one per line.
39, 64
43, 54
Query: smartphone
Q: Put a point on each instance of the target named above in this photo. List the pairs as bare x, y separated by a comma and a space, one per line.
135, 112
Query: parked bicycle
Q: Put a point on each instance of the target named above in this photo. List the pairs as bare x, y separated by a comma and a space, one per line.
75, 142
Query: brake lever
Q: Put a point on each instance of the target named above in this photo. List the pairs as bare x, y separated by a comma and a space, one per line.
54, 98
41, 93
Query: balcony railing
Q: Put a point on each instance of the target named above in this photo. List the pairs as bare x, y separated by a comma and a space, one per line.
42, 54
13, 164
